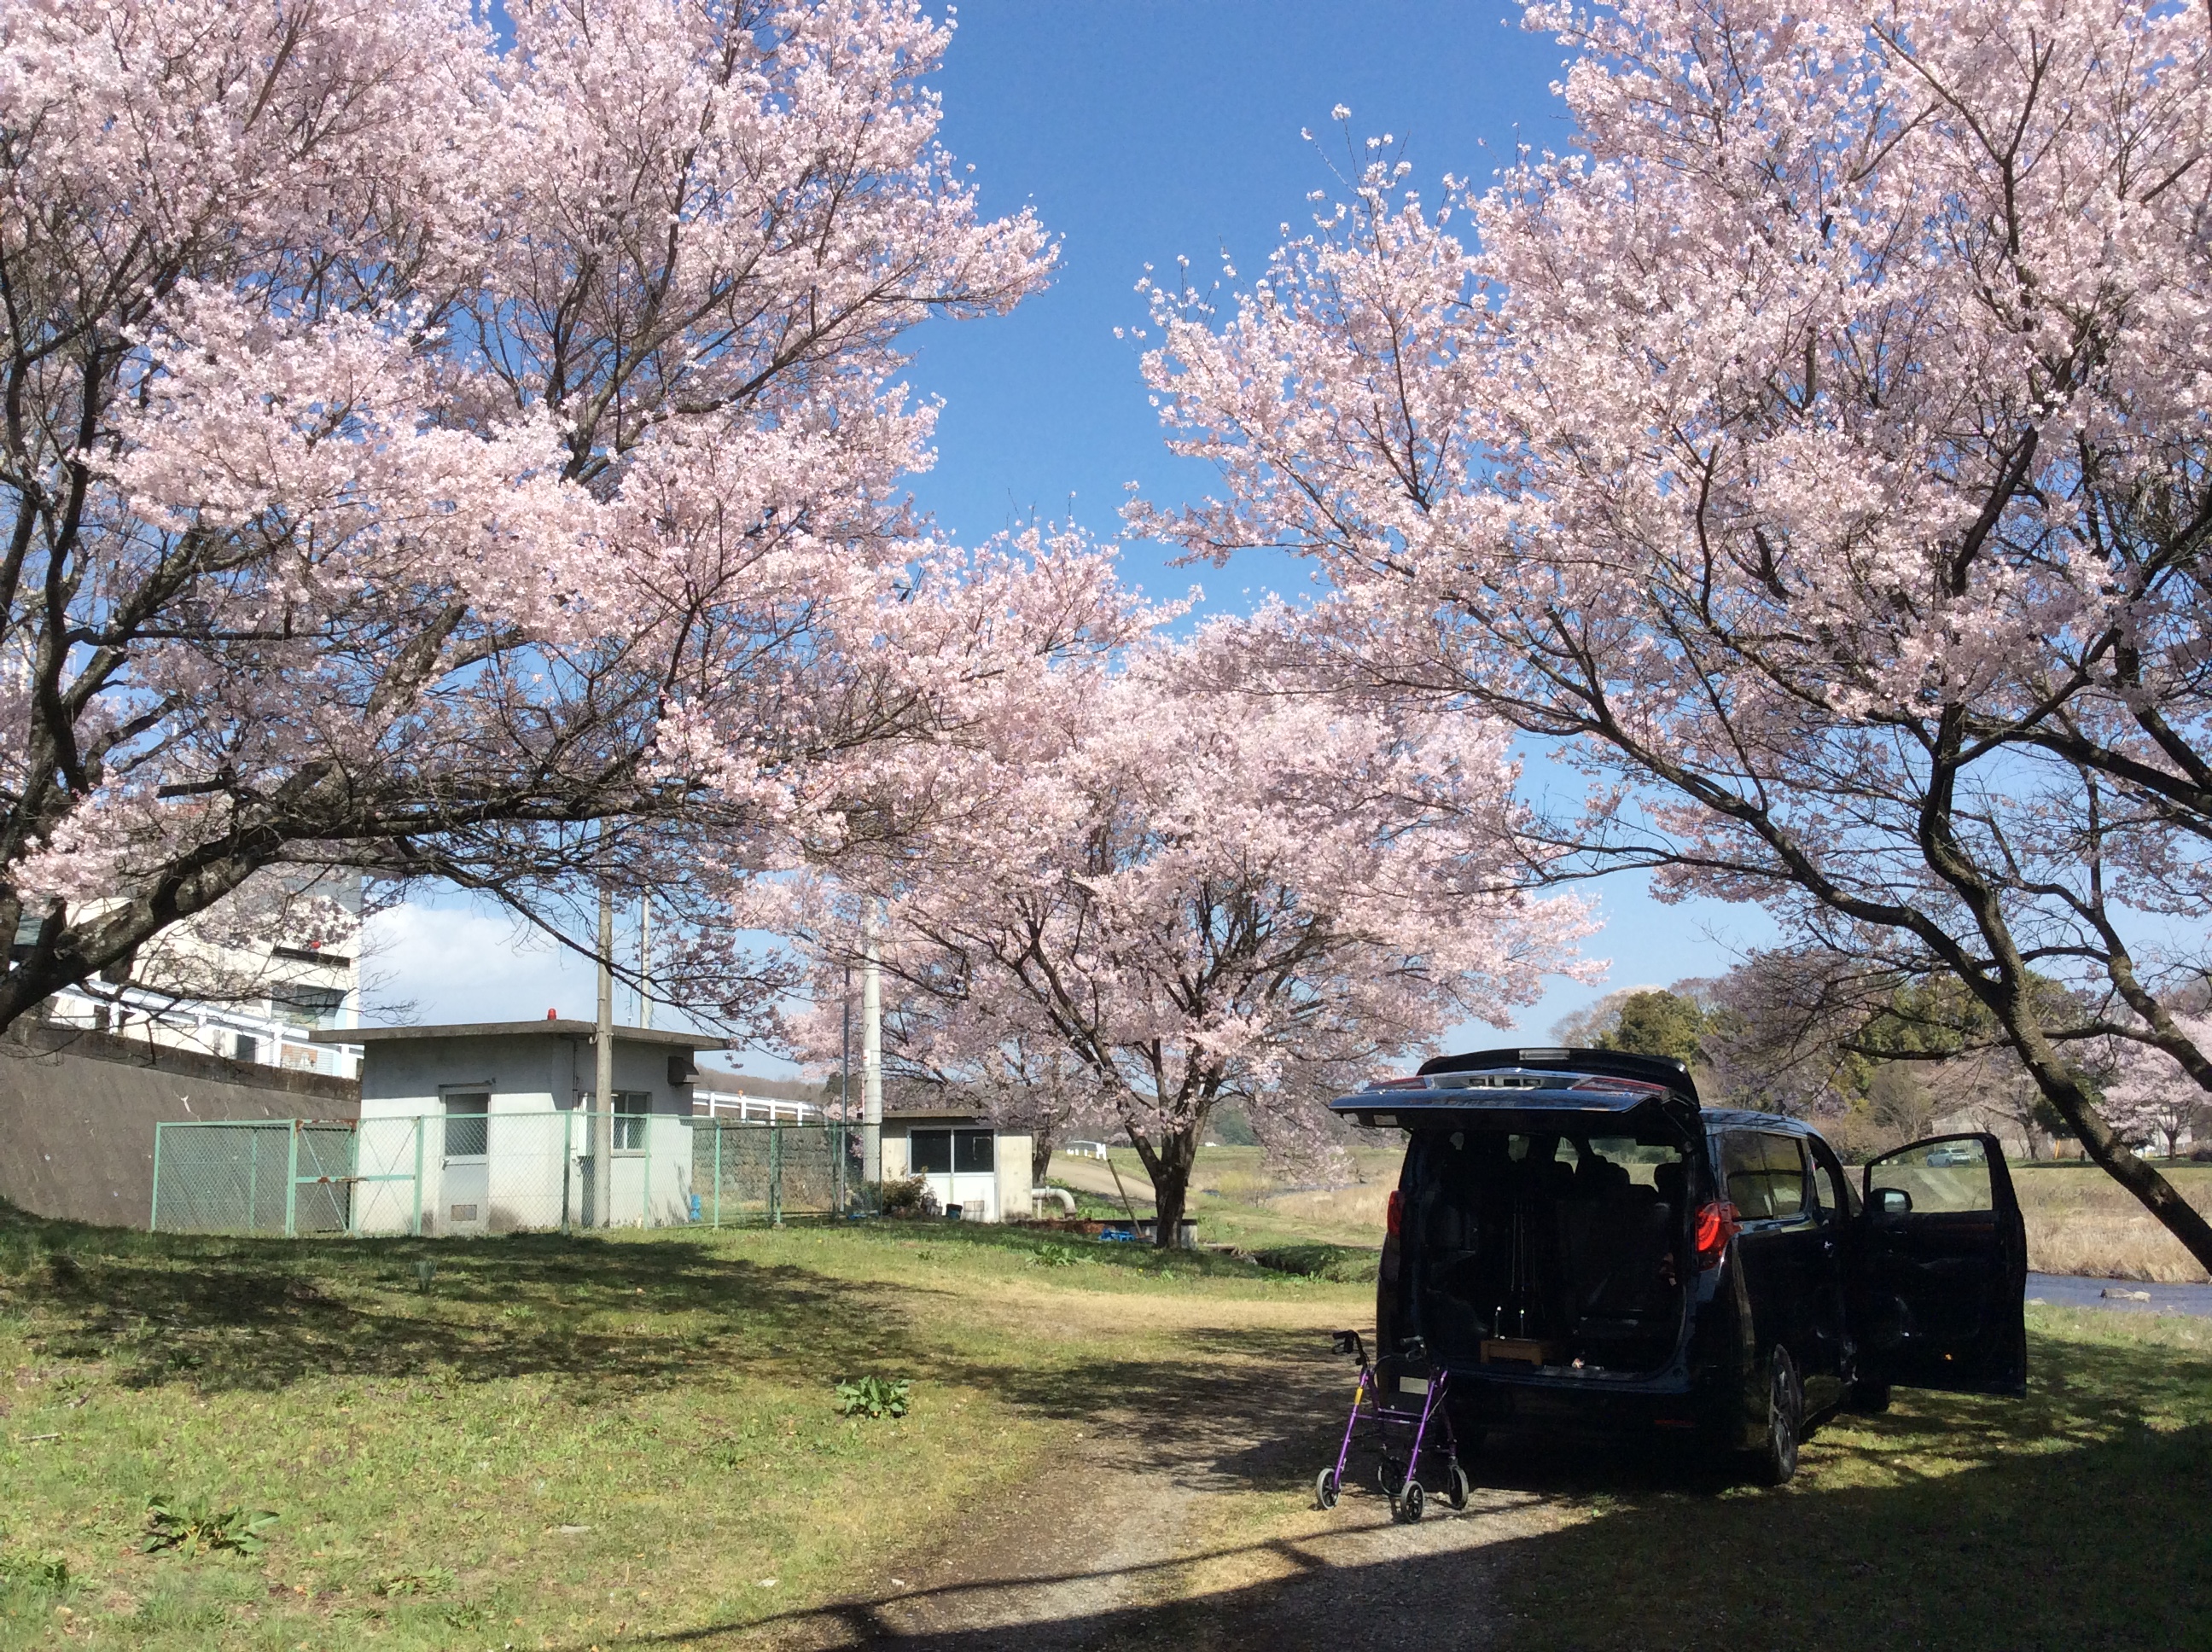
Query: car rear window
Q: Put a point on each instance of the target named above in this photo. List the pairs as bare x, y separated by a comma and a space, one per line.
1589, 1163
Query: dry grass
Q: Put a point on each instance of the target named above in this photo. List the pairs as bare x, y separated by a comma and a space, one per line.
2082, 1221
2079, 1219
1355, 1214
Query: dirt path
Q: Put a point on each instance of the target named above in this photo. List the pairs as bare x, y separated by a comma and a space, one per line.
1189, 1525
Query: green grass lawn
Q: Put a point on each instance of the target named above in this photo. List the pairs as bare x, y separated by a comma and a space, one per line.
618, 1440
563, 1440
1239, 1199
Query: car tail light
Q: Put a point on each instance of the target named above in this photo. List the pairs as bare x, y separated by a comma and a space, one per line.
1395, 1213
1609, 1085
1714, 1225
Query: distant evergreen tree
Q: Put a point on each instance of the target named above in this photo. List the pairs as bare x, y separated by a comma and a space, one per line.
1657, 1023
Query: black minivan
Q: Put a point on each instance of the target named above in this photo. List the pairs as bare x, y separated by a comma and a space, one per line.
1584, 1247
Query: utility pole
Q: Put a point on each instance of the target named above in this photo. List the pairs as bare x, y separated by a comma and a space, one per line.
871, 1054
644, 961
845, 1089
603, 1072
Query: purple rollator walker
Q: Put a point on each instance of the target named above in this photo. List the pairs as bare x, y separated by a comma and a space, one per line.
1391, 1427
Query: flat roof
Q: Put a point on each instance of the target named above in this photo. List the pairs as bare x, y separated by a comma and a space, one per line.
561, 1028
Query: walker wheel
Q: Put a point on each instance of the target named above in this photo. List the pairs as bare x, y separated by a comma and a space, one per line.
1326, 1490
1406, 1507
1460, 1487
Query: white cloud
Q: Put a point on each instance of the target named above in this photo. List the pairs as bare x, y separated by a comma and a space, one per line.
441, 964
438, 965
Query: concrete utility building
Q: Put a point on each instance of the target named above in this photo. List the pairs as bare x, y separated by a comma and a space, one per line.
965, 1161
490, 1124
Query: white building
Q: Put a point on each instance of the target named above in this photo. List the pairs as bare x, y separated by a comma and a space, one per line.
965, 1160
259, 1001
489, 1125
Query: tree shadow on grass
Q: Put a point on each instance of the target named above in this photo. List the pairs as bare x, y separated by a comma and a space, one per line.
216, 1314
2075, 1518
2100, 1546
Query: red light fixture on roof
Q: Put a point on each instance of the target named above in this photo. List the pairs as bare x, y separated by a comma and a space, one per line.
552, 1014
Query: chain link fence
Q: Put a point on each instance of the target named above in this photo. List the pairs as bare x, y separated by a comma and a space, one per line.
465, 1173
258, 1175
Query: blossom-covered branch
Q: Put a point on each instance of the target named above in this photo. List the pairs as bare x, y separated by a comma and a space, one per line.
416, 448
1820, 453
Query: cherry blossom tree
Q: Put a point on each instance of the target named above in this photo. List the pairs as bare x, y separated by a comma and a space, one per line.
1817, 453
2149, 1096
1204, 892
417, 450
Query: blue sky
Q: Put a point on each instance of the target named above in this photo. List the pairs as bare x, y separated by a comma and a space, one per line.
1141, 130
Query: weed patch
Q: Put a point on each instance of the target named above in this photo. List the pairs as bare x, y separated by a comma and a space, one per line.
874, 1396
196, 1528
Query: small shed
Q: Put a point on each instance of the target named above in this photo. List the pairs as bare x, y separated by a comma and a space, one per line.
486, 1127
965, 1160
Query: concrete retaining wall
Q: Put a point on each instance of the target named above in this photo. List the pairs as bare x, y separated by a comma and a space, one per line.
77, 1112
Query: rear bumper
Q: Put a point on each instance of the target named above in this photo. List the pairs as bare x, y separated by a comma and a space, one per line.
1671, 1405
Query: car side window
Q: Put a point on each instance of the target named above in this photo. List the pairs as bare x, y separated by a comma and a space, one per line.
1743, 1168
1785, 1175
1938, 1177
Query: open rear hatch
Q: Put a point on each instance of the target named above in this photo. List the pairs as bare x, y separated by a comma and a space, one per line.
1544, 1218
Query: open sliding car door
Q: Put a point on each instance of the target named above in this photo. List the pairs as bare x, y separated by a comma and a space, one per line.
1939, 1269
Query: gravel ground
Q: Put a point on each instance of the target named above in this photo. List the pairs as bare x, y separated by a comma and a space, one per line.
1193, 1533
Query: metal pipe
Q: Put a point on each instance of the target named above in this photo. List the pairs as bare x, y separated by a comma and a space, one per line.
292, 1184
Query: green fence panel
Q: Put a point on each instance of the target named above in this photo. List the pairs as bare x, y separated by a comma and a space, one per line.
747, 1172
397, 1175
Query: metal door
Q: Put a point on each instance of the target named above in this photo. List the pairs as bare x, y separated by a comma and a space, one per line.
1941, 1268
464, 1168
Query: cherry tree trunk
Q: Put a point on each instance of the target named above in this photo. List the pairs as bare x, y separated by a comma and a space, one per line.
1168, 1163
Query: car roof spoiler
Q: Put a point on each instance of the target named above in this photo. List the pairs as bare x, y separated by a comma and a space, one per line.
1534, 1090
1614, 1064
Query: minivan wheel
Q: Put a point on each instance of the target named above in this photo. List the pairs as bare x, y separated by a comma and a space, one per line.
1785, 1420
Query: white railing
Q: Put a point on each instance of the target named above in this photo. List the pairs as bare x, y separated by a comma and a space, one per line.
744, 1108
204, 1029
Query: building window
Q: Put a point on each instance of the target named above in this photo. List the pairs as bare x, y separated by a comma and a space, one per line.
947, 1152
310, 955
247, 1047
307, 1006
468, 1126
929, 1153
632, 1108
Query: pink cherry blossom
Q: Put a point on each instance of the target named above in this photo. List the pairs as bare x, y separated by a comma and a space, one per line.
1817, 451
1202, 891
416, 451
